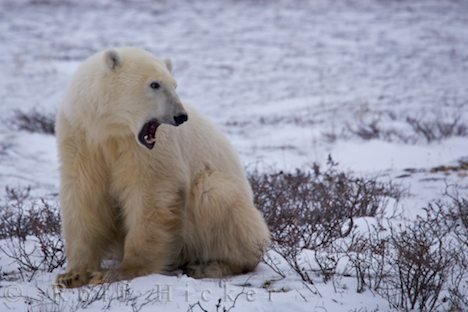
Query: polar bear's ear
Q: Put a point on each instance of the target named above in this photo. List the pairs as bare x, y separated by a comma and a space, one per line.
168, 64
112, 59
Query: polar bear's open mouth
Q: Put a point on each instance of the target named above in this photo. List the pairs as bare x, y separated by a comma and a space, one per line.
147, 135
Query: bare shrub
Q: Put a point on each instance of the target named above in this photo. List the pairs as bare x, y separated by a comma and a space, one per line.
274, 263
427, 258
455, 218
13, 222
437, 129
46, 254
311, 210
421, 261
458, 283
367, 254
34, 121
385, 126
220, 306
370, 126
105, 297
373, 129
33, 233
367, 131
319, 218
21, 216
420, 265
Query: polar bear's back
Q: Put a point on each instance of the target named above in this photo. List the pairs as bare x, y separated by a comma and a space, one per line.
202, 145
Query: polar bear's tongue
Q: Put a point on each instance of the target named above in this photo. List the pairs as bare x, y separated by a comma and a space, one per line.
147, 135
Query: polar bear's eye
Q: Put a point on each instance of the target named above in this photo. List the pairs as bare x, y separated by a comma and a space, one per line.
155, 85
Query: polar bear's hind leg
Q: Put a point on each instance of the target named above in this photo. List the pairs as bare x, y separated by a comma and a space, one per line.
228, 235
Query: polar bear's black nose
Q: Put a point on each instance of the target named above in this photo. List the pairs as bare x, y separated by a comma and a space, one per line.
180, 119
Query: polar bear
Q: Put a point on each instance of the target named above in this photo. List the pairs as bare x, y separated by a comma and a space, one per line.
147, 179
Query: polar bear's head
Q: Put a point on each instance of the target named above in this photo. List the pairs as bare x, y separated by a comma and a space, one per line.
140, 93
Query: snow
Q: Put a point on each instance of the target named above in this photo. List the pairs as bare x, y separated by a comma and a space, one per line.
396, 157
276, 76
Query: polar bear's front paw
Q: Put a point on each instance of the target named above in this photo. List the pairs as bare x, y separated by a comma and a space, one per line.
73, 279
101, 277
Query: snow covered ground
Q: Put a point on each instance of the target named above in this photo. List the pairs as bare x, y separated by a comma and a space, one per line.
288, 81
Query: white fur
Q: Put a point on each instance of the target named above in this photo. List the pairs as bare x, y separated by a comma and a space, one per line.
185, 203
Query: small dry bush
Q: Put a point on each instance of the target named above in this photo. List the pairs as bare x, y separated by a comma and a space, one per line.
428, 259
415, 265
320, 218
387, 127
436, 129
34, 121
454, 217
31, 233
366, 252
421, 262
311, 210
